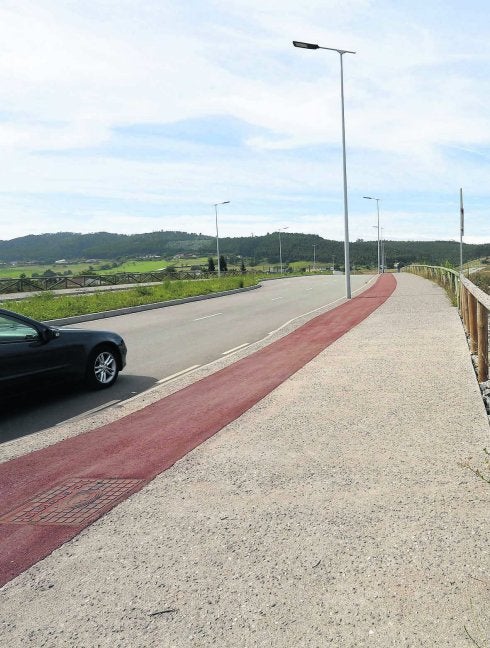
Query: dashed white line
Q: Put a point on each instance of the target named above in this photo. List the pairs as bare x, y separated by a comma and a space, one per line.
240, 346
276, 298
176, 375
207, 316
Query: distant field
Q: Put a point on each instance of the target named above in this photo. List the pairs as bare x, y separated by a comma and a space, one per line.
297, 265
14, 272
154, 265
150, 265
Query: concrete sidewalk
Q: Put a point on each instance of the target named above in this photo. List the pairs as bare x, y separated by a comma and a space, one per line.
333, 512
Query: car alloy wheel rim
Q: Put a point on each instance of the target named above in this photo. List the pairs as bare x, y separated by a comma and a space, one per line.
105, 367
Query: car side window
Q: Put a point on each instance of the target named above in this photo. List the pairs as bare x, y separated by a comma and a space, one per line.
12, 330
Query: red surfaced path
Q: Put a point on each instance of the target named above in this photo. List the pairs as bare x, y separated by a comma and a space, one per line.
147, 442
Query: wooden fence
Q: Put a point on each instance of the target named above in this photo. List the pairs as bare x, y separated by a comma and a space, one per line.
63, 282
473, 305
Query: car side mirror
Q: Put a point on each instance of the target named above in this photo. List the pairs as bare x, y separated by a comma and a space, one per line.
50, 334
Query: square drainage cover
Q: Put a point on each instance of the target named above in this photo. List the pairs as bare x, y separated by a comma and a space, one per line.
74, 502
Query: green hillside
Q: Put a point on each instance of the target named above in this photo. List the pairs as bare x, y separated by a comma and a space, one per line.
47, 248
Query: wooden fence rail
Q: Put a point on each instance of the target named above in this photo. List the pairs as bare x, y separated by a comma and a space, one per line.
473, 305
32, 284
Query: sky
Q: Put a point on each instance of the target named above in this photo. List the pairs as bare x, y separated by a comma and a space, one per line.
138, 115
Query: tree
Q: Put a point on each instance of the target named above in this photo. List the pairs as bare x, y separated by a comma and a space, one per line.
223, 266
211, 266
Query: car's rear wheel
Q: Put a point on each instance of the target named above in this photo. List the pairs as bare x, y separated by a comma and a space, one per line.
102, 369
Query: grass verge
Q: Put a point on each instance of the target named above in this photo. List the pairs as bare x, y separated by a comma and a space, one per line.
48, 306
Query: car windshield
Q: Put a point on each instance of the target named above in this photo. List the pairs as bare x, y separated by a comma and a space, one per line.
12, 330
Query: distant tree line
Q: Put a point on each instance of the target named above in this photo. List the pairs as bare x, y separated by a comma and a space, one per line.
47, 248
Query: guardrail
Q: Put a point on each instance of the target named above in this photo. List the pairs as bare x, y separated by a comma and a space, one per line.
473, 305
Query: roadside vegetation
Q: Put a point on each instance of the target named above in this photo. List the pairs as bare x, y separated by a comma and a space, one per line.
482, 280
49, 306
18, 270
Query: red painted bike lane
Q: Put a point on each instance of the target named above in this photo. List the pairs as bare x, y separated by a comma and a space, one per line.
50, 495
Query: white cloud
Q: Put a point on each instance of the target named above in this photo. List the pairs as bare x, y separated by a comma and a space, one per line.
71, 73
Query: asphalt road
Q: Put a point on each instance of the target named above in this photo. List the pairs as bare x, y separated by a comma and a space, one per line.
170, 341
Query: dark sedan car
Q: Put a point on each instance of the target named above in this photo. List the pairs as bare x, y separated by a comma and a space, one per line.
31, 353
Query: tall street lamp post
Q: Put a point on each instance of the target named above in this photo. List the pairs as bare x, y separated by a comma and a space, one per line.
383, 264
314, 257
225, 202
461, 229
280, 247
346, 211
377, 207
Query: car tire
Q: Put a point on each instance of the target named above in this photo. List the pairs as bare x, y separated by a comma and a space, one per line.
102, 368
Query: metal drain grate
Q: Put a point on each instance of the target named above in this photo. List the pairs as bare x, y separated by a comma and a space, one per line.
74, 502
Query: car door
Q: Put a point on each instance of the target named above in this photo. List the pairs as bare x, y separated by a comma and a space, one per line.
24, 353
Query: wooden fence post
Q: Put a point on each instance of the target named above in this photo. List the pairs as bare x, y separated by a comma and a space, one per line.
472, 324
482, 317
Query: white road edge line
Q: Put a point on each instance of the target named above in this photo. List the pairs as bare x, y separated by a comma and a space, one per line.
207, 316
240, 346
176, 375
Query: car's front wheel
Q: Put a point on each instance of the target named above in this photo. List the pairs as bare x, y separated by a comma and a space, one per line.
102, 369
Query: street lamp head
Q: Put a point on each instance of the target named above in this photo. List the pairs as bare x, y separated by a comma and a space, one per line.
315, 46
306, 45
368, 198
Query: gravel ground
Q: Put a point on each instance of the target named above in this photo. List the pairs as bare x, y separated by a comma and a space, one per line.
334, 512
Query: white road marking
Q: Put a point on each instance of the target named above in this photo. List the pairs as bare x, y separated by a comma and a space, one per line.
308, 289
276, 298
240, 346
320, 308
207, 316
88, 412
176, 375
